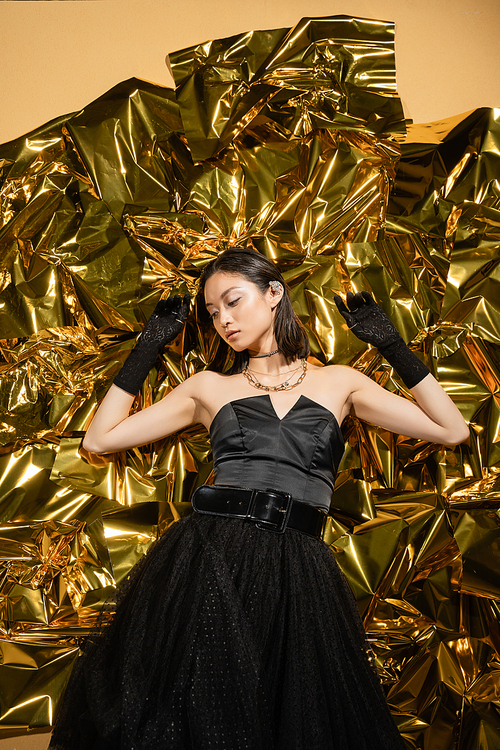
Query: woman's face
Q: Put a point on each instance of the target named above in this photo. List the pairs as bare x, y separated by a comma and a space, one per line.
241, 314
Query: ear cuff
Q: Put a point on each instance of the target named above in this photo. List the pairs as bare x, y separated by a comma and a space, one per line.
276, 286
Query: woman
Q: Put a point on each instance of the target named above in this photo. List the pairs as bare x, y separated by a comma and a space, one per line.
238, 629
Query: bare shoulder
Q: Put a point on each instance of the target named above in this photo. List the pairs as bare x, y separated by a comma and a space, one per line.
206, 386
204, 381
339, 375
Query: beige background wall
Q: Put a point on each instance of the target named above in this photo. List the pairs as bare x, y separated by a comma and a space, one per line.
55, 57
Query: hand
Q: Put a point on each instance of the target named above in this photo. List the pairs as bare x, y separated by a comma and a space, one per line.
367, 320
164, 325
370, 323
166, 321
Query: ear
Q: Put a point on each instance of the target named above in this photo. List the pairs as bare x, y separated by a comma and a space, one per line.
275, 293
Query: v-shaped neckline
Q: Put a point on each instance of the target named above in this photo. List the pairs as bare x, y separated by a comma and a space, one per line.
273, 407
268, 400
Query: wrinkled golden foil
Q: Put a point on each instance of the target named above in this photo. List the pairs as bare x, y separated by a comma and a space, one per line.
293, 142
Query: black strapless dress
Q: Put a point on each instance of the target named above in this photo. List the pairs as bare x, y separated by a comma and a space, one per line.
231, 637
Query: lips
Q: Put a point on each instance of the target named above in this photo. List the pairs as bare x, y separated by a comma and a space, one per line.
230, 334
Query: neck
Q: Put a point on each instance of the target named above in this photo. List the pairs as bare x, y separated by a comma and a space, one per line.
273, 365
264, 357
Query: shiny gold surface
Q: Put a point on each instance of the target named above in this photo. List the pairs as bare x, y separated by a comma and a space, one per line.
291, 141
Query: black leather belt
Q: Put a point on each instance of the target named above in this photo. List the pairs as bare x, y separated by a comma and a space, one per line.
269, 509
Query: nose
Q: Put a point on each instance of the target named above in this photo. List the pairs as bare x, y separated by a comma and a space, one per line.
224, 318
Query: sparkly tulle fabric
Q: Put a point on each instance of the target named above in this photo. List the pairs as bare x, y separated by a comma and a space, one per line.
229, 637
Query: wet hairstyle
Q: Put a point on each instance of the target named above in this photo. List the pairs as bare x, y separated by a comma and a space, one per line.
290, 334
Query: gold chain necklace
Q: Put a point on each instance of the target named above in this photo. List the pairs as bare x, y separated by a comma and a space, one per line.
285, 386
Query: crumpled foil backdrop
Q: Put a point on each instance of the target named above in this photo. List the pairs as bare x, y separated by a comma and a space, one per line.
293, 142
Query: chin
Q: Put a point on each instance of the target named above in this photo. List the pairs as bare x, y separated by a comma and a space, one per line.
236, 347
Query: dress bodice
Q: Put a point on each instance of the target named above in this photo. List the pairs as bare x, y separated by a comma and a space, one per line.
299, 454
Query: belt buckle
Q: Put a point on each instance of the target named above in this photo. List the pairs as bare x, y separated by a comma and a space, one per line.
284, 510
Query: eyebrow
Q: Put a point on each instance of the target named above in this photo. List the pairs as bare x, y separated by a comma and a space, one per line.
223, 295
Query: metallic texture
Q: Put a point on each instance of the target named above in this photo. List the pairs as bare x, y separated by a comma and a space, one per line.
293, 142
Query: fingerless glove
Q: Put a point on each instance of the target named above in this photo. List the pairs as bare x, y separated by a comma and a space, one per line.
370, 324
164, 325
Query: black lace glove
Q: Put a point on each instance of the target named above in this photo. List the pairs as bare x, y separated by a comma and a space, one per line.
164, 325
370, 323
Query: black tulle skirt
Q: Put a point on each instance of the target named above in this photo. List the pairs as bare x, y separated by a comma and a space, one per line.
229, 637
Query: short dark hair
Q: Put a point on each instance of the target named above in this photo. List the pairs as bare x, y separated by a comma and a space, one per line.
290, 334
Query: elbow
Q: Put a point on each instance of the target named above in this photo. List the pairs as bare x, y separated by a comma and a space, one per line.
91, 446
458, 435
464, 434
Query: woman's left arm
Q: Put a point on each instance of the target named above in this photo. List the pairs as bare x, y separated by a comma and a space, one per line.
433, 417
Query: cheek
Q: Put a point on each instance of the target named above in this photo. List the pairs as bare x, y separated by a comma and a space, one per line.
262, 313
255, 307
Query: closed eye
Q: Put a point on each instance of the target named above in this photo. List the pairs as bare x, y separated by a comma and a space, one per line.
229, 304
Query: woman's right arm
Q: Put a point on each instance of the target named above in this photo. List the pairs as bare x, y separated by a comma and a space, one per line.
112, 428
115, 429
